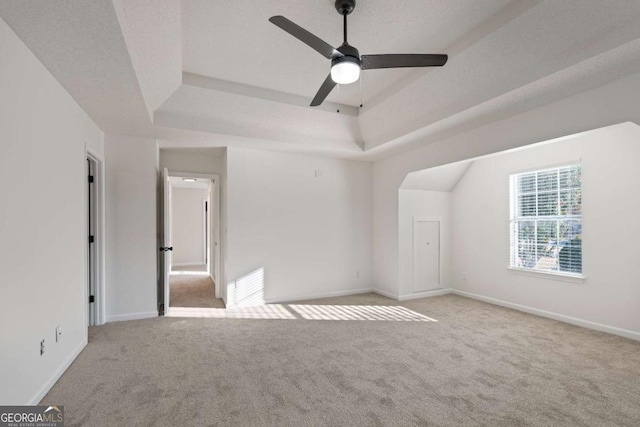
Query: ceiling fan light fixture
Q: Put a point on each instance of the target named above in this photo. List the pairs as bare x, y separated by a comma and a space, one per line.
345, 70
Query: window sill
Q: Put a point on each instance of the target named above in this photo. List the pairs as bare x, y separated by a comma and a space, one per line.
573, 278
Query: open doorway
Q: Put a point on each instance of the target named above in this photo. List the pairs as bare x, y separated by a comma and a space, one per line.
190, 225
191, 217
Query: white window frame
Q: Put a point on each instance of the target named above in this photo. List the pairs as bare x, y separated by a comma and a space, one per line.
513, 221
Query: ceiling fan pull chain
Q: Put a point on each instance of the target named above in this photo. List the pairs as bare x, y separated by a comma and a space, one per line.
361, 79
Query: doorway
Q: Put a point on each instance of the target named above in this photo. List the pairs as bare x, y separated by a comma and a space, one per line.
191, 236
426, 254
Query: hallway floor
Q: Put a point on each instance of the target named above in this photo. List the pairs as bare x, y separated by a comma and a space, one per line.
193, 291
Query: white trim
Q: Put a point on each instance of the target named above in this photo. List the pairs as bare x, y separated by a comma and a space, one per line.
217, 225
425, 294
100, 194
416, 295
205, 227
555, 316
132, 316
547, 275
58, 373
386, 294
320, 295
417, 219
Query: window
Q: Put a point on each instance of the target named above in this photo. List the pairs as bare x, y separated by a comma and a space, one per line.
546, 220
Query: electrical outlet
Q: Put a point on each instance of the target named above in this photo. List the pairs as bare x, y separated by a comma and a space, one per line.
41, 347
464, 277
58, 333
318, 173
357, 274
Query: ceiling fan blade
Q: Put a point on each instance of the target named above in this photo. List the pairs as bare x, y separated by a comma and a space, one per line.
372, 62
305, 36
324, 91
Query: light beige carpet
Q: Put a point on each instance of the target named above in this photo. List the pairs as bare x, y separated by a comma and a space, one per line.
479, 364
193, 291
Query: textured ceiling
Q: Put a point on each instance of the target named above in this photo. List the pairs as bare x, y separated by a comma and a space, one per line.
236, 42
207, 73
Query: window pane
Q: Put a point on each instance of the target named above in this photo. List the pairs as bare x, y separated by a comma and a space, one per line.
570, 256
547, 204
527, 205
526, 250
569, 229
546, 258
547, 232
570, 202
526, 183
548, 180
570, 177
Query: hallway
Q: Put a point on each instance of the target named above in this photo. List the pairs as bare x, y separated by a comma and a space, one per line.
193, 291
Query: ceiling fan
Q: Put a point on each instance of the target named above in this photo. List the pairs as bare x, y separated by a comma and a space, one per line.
346, 61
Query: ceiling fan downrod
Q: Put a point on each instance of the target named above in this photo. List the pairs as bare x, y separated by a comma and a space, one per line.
344, 8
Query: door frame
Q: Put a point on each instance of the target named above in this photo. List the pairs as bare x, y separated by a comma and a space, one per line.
416, 220
206, 226
99, 242
214, 209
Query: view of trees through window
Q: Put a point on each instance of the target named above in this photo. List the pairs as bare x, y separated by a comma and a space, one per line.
546, 220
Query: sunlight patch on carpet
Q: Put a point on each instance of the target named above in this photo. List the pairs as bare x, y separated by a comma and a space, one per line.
359, 312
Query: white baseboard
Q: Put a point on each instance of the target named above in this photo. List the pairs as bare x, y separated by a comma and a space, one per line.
132, 316
415, 295
56, 376
425, 294
555, 316
386, 294
185, 264
319, 295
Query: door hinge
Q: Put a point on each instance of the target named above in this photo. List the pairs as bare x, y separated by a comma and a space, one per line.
92, 239
90, 178
92, 298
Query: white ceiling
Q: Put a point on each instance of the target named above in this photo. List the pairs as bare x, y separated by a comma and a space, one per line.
179, 182
207, 73
236, 42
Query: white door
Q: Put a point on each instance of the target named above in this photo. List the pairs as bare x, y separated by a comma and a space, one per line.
426, 250
167, 248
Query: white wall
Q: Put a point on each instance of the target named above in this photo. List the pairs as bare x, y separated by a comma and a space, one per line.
43, 133
187, 222
131, 240
419, 203
312, 235
614, 103
611, 178
189, 160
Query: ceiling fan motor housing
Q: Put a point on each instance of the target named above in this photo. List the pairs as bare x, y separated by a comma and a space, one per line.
350, 53
345, 7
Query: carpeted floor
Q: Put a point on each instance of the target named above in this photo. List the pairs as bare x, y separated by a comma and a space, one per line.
193, 291
478, 364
